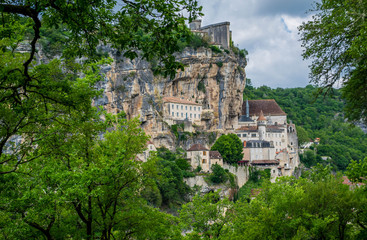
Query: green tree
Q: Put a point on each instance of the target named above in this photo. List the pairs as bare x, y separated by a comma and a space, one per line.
32, 92
308, 158
171, 170
302, 135
230, 147
205, 216
319, 207
335, 40
357, 171
85, 188
219, 175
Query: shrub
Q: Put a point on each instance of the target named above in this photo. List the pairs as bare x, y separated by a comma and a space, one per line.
201, 86
219, 175
198, 169
215, 49
219, 64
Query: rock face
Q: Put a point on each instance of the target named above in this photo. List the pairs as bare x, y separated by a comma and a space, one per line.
214, 80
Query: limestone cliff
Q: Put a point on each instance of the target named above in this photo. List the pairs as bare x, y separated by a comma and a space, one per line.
214, 80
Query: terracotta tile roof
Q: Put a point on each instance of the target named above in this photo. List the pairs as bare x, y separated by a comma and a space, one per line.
261, 117
179, 100
215, 155
198, 147
260, 162
248, 128
268, 106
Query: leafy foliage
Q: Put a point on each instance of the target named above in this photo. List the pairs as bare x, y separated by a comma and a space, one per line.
83, 187
335, 40
230, 147
256, 179
219, 175
318, 207
215, 49
205, 216
172, 168
201, 86
34, 93
194, 41
357, 171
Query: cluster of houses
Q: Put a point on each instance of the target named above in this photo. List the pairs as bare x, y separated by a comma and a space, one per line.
269, 142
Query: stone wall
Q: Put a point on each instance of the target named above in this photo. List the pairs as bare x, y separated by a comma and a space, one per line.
219, 33
225, 190
241, 172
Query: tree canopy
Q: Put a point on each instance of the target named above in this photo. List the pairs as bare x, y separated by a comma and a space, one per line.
335, 39
230, 147
35, 91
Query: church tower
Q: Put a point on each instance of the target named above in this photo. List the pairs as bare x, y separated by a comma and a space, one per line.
261, 123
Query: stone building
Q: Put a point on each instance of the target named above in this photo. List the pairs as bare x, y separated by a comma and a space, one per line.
219, 33
269, 141
176, 109
201, 156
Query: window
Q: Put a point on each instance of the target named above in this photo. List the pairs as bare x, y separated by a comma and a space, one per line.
186, 115
244, 135
194, 108
239, 135
190, 115
185, 107
181, 107
199, 108
204, 153
181, 114
199, 115
190, 108
194, 115
173, 106
204, 160
173, 114
177, 107
177, 114
253, 135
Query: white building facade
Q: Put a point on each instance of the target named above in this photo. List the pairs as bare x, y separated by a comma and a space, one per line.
269, 141
181, 109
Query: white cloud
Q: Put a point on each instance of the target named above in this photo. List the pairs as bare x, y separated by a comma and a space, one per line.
268, 30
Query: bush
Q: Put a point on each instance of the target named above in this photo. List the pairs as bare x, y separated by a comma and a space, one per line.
198, 169
215, 49
201, 86
195, 41
219, 64
219, 175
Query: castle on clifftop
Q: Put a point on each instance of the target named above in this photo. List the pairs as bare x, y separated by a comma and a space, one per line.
218, 33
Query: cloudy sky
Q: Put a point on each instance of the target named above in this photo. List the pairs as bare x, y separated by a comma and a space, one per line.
268, 30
